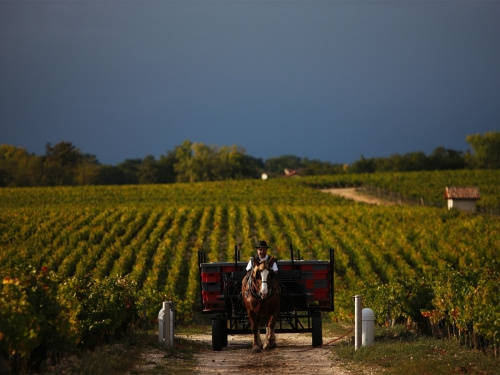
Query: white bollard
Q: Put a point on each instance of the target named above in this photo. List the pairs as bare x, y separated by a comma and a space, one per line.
368, 327
161, 323
357, 322
166, 318
169, 338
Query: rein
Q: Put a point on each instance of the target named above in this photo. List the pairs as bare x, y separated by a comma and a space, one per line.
252, 287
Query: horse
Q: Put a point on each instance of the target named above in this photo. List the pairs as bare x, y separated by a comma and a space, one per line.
261, 296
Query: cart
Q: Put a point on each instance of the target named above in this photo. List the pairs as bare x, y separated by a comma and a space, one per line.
306, 290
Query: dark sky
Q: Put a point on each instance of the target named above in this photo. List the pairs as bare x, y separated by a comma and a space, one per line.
323, 79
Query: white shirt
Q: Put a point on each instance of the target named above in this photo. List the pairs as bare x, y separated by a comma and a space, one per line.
249, 265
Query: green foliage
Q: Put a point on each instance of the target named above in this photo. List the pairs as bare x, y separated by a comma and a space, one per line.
98, 309
486, 150
199, 162
469, 301
149, 171
40, 316
30, 317
148, 305
400, 300
278, 164
440, 159
397, 352
180, 194
18, 167
64, 164
304, 166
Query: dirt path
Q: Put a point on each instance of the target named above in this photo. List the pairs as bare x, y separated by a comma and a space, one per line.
359, 196
293, 355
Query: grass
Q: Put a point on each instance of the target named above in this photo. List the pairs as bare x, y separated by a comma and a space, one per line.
136, 353
178, 360
107, 359
397, 351
140, 353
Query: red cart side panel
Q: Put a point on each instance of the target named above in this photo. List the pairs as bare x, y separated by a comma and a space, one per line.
212, 301
210, 277
315, 278
212, 285
226, 269
321, 295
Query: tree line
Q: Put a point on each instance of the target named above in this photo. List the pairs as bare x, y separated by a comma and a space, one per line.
485, 155
64, 164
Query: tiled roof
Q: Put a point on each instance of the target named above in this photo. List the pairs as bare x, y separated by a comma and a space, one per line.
455, 192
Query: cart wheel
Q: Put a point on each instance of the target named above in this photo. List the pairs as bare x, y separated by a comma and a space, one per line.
317, 329
224, 332
217, 334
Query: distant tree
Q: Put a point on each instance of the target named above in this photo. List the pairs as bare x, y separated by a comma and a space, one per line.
363, 165
381, 164
60, 164
204, 162
4, 176
18, 167
444, 158
196, 162
64, 154
149, 172
412, 161
130, 170
64, 164
183, 166
232, 163
200, 162
110, 175
87, 171
226, 162
486, 150
317, 167
166, 171
9, 160
278, 164
247, 166
441, 158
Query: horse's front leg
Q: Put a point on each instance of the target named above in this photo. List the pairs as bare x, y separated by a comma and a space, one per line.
254, 326
270, 336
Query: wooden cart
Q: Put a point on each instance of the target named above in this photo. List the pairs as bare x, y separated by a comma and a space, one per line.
306, 290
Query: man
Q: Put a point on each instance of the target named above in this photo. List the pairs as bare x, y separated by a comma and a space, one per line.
262, 256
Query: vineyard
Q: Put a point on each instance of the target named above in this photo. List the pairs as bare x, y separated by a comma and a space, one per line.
86, 262
424, 187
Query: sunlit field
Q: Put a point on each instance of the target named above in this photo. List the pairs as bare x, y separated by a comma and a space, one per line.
137, 246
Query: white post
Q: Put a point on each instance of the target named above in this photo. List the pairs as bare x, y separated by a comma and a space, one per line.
368, 327
169, 337
166, 321
162, 320
357, 322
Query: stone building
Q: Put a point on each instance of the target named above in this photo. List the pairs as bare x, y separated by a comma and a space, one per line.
462, 198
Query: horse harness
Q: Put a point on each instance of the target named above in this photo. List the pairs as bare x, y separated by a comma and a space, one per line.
251, 286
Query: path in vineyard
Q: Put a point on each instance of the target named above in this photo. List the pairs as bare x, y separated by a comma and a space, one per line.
357, 195
293, 355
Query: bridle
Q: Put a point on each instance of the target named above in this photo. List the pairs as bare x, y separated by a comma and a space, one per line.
252, 287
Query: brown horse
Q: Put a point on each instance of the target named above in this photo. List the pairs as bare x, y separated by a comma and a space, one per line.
260, 293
